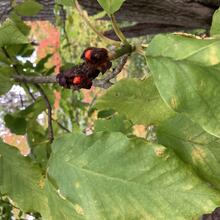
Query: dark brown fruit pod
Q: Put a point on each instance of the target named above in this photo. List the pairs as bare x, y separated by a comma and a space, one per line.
78, 77
95, 55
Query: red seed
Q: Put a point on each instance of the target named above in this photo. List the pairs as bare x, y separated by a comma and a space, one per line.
88, 55
77, 80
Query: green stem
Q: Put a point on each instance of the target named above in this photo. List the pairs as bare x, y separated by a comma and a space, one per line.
117, 30
84, 17
126, 49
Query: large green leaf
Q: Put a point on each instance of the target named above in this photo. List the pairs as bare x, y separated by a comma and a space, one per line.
17, 125
186, 73
38, 142
28, 8
109, 176
22, 181
10, 34
114, 123
61, 208
111, 6
193, 145
138, 100
215, 28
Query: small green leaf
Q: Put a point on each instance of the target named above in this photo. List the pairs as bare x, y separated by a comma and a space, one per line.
28, 8
186, 73
21, 50
17, 125
215, 28
10, 34
193, 145
41, 63
4, 59
25, 29
109, 176
49, 71
5, 79
138, 100
111, 6
32, 111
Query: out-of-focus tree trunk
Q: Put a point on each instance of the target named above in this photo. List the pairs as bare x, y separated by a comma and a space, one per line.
47, 14
157, 16
150, 17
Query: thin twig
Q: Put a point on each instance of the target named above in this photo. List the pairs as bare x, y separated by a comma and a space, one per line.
105, 83
29, 91
21, 100
47, 102
61, 126
102, 83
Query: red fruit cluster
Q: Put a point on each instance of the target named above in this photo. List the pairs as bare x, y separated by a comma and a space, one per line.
81, 76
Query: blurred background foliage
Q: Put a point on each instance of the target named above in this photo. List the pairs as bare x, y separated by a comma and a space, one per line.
58, 47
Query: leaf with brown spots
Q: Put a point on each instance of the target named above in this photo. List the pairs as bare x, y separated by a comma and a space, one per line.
110, 176
186, 74
193, 145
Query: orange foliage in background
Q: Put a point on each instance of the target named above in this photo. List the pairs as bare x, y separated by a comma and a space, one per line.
48, 38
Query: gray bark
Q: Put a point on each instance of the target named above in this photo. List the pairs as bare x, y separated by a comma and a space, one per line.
150, 16
47, 14
157, 16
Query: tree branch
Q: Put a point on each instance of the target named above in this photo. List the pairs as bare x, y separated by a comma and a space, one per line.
61, 126
35, 79
29, 91
105, 83
123, 52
